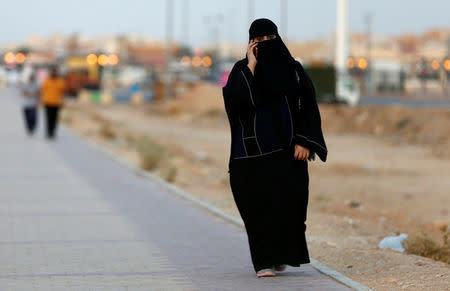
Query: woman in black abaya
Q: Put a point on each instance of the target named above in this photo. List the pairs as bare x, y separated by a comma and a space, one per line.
275, 130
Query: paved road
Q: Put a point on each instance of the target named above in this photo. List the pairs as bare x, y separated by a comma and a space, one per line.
413, 103
73, 219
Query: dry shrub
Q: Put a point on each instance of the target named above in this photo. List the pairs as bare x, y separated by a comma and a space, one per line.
214, 113
98, 118
106, 131
425, 246
173, 109
150, 153
225, 180
169, 173
130, 139
154, 156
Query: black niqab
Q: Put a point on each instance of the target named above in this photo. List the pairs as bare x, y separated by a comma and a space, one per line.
275, 69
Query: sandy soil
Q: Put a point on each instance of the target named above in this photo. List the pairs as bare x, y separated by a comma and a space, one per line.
397, 178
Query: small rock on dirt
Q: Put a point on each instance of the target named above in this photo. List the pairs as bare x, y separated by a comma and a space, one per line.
353, 204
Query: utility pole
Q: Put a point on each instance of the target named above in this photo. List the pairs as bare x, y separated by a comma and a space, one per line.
214, 23
341, 37
251, 11
185, 21
169, 41
283, 17
342, 48
368, 19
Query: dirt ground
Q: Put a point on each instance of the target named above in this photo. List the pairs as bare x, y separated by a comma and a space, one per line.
387, 173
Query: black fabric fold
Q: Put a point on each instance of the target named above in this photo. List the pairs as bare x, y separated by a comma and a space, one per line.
241, 89
308, 124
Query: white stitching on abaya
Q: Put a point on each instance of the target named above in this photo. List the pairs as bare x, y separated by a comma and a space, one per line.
242, 126
250, 90
259, 155
312, 141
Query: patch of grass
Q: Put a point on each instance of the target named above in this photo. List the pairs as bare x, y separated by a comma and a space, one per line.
425, 246
321, 197
150, 153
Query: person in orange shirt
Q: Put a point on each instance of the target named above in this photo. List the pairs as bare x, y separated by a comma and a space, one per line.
52, 92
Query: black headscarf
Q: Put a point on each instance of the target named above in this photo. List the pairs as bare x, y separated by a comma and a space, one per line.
275, 69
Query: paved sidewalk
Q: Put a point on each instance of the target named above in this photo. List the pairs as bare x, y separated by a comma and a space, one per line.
72, 219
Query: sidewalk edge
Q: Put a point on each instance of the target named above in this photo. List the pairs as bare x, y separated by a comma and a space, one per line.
205, 205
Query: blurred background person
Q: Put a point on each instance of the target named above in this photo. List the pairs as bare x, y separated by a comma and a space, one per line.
52, 92
30, 93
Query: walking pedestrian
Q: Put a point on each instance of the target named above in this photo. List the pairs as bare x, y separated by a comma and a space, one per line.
52, 91
275, 130
30, 92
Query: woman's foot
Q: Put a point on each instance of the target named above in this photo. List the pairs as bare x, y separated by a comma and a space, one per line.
280, 268
265, 273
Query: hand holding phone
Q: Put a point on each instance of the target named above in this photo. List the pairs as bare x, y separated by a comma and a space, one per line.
252, 52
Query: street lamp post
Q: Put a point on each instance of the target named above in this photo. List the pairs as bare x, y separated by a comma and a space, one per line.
169, 37
251, 11
283, 17
185, 22
341, 39
369, 54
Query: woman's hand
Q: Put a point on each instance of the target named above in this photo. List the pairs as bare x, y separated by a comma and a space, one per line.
301, 153
251, 56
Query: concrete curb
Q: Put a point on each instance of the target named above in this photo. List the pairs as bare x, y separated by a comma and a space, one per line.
181, 193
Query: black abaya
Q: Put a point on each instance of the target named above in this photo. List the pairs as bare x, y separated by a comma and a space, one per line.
269, 112
271, 193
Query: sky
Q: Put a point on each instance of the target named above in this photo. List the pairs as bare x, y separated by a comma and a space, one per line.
212, 20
